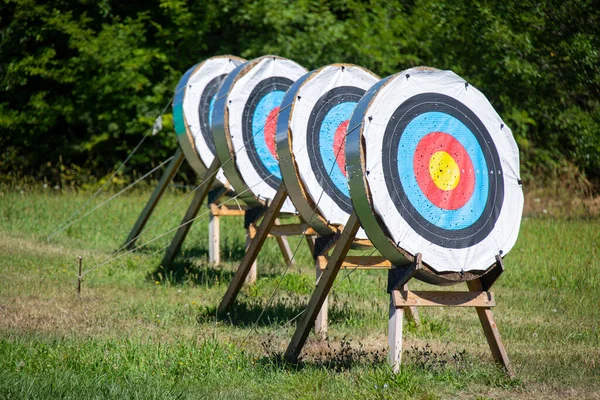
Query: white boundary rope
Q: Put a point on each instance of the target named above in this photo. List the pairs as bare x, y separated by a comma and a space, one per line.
147, 174
69, 221
116, 257
192, 192
276, 290
349, 271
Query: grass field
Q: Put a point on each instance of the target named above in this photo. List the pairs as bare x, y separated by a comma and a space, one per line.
138, 332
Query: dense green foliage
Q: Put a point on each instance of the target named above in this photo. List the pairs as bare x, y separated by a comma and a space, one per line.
82, 80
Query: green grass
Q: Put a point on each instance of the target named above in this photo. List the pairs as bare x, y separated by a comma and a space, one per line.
141, 332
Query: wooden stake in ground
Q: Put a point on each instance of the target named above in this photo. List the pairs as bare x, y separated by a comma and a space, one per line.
79, 277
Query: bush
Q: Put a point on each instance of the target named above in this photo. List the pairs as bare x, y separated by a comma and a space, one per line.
84, 80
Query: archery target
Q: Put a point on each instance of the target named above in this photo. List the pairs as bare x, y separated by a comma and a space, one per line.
200, 87
442, 170
318, 124
184, 134
253, 101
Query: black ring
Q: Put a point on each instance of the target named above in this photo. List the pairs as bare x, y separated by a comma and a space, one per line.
209, 92
263, 88
402, 116
338, 95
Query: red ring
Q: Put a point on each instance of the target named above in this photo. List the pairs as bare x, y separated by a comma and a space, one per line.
339, 145
270, 130
426, 148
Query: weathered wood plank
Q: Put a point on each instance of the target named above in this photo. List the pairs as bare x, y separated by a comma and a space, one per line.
361, 263
492, 334
292, 230
284, 246
321, 321
253, 272
361, 244
442, 299
395, 323
214, 239
225, 211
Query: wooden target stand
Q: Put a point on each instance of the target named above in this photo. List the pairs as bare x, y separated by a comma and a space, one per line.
217, 207
403, 300
320, 246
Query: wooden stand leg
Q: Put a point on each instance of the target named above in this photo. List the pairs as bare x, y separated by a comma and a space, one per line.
253, 273
321, 324
492, 334
412, 313
214, 239
322, 290
191, 213
395, 336
477, 297
164, 181
284, 246
398, 278
252, 250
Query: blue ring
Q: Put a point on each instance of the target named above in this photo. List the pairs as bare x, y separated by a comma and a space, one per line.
259, 119
211, 106
338, 114
441, 122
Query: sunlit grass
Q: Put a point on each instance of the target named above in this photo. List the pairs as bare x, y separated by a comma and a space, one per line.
142, 332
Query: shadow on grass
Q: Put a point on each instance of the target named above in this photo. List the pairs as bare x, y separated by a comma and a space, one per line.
186, 271
245, 313
230, 250
338, 357
276, 361
419, 363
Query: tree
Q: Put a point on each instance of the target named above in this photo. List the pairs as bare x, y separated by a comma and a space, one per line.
82, 80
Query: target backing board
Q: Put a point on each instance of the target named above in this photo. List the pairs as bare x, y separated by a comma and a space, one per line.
192, 110
311, 136
434, 170
245, 120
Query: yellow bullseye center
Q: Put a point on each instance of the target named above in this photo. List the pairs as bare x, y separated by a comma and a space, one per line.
444, 170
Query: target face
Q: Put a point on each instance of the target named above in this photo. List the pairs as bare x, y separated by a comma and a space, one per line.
318, 122
254, 93
194, 101
259, 123
326, 140
182, 129
205, 108
442, 170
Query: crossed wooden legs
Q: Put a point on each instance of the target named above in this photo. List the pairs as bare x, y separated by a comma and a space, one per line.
475, 297
216, 211
404, 300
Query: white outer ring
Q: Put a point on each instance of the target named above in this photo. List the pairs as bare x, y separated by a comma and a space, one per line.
328, 78
196, 84
504, 234
237, 98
